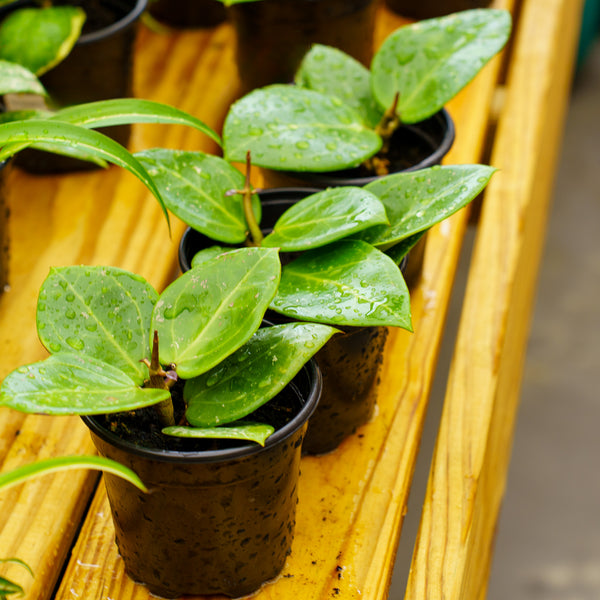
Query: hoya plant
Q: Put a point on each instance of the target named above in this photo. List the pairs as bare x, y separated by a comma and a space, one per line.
340, 115
350, 240
117, 345
45, 467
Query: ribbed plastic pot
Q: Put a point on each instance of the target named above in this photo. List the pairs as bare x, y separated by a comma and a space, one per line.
99, 67
273, 35
214, 521
188, 14
413, 147
427, 9
349, 362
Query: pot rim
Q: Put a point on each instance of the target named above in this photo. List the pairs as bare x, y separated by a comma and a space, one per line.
329, 178
210, 456
128, 19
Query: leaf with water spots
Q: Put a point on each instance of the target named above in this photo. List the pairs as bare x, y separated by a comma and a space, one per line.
334, 73
254, 374
286, 127
429, 62
345, 283
415, 201
102, 312
240, 430
324, 217
208, 253
194, 187
213, 309
72, 384
53, 31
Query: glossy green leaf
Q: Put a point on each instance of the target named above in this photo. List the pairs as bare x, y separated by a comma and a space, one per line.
9, 587
324, 217
122, 111
415, 201
15, 79
200, 322
68, 463
39, 39
103, 312
254, 374
289, 128
334, 73
398, 251
345, 283
40, 131
429, 62
194, 187
71, 384
252, 432
208, 253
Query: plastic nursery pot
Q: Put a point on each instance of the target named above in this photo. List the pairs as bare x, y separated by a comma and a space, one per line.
99, 67
413, 147
188, 14
274, 35
349, 362
219, 516
427, 9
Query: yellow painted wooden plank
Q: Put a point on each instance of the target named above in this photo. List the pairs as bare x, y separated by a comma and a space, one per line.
455, 542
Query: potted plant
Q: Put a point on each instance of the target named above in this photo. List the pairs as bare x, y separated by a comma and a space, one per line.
86, 56
272, 36
347, 123
340, 251
171, 380
45, 467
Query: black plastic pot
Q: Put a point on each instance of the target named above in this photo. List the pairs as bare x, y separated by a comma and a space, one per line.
99, 67
349, 362
217, 521
188, 14
412, 147
427, 9
274, 35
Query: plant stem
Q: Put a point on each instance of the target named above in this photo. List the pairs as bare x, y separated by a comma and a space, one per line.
390, 121
248, 191
160, 379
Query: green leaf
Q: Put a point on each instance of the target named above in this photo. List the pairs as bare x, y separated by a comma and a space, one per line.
213, 309
254, 374
122, 111
415, 201
9, 587
208, 253
39, 39
67, 463
253, 432
345, 283
334, 73
324, 217
71, 384
15, 79
289, 128
103, 312
398, 251
429, 62
194, 186
36, 131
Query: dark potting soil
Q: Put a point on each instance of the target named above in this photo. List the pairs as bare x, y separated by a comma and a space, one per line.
142, 427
